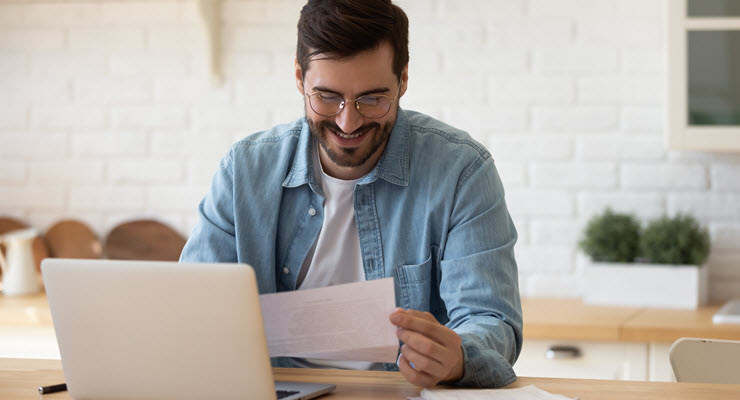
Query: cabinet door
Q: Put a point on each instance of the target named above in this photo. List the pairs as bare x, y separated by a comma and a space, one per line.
583, 360
660, 369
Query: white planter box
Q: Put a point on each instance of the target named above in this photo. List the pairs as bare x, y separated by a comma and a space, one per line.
645, 285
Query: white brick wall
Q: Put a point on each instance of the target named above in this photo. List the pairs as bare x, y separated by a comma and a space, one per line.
574, 119
662, 176
644, 204
106, 113
13, 118
145, 171
71, 171
12, 172
574, 176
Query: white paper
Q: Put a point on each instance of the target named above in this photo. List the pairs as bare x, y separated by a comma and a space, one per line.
343, 322
530, 392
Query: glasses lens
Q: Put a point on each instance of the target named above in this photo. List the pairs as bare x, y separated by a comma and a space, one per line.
326, 104
373, 106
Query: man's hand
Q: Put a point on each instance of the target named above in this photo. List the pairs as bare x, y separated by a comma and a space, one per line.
434, 350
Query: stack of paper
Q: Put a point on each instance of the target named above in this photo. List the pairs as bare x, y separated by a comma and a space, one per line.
530, 392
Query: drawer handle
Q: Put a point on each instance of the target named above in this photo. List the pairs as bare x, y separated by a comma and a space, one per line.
562, 352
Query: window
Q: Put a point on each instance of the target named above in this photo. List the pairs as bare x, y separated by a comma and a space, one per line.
704, 75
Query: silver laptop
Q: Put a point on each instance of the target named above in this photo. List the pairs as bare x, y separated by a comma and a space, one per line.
164, 330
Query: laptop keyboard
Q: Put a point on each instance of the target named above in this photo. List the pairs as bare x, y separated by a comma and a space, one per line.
281, 394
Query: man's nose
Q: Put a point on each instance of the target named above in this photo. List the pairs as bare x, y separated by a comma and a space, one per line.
349, 119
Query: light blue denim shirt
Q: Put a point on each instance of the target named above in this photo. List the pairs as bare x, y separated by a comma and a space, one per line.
431, 214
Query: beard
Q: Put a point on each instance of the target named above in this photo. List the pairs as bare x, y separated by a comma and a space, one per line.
351, 156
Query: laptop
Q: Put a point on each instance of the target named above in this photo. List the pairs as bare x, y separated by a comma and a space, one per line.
164, 330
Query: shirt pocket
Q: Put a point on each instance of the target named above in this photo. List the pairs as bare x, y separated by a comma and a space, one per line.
414, 285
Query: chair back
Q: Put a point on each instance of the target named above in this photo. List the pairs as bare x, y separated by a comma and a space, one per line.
706, 360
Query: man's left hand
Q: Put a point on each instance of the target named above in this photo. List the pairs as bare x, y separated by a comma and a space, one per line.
434, 350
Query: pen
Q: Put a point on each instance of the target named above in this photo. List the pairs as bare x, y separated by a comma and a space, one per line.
53, 388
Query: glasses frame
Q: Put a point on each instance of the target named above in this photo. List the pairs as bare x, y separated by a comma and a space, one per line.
357, 105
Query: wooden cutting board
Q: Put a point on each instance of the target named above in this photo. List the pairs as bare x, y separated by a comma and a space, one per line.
144, 240
73, 239
40, 251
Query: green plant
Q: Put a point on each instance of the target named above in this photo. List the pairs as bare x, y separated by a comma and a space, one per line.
677, 240
611, 237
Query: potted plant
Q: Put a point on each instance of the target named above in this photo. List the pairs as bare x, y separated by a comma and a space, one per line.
659, 266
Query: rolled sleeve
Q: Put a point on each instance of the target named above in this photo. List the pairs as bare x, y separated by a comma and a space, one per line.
213, 239
479, 282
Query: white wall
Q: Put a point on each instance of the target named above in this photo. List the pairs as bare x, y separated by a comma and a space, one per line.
106, 113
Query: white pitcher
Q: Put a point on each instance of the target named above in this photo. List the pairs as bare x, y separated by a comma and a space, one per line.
19, 268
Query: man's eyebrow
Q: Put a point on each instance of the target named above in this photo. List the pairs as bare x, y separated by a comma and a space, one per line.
375, 90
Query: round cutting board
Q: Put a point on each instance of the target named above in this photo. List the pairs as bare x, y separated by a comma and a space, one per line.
144, 240
73, 239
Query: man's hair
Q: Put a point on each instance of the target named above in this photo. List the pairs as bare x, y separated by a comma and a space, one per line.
343, 28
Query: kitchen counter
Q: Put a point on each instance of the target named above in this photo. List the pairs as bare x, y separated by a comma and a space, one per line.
25, 311
546, 318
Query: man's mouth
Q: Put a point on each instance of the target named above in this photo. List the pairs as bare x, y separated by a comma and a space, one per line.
355, 135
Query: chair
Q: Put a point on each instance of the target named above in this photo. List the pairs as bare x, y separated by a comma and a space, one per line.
706, 360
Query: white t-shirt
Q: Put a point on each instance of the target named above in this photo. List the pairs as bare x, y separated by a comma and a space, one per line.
335, 258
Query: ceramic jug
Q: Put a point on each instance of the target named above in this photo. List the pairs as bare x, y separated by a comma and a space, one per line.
19, 268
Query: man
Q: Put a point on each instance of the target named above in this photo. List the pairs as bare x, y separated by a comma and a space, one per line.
360, 189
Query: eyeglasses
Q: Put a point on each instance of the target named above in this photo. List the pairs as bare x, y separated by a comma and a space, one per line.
329, 104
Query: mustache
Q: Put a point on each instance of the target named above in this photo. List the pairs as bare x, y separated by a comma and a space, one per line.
334, 127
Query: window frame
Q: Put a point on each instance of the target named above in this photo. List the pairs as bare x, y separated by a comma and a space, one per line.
679, 134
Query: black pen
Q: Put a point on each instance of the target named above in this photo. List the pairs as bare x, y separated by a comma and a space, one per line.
53, 388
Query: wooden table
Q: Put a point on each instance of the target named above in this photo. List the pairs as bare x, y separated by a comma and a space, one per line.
20, 378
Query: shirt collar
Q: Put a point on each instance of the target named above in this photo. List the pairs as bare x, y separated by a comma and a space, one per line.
393, 165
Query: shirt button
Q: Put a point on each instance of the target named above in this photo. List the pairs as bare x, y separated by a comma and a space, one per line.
286, 271
312, 211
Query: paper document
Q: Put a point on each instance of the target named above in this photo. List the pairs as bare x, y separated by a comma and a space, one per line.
530, 392
344, 322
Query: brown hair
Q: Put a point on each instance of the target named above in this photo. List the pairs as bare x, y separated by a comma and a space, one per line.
343, 28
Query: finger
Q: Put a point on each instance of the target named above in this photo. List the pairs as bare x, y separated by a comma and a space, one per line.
432, 329
422, 344
421, 314
423, 363
415, 377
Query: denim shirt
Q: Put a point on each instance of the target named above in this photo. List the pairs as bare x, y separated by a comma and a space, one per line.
431, 215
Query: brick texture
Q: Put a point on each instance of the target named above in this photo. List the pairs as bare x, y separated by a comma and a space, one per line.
107, 114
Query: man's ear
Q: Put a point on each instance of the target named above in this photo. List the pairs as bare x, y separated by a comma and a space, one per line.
404, 80
298, 76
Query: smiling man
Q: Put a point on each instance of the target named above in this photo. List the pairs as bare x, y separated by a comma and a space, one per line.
361, 189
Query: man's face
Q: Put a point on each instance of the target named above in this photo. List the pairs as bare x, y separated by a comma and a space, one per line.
350, 143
